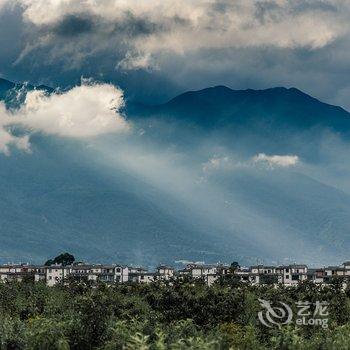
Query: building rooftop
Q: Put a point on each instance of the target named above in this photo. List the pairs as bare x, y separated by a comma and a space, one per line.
164, 267
201, 266
337, 268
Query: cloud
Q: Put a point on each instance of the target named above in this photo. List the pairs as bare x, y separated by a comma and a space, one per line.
275, 161
160, 26
84, 111
218, 163
136, 60
72, 25
7, 139
227, 163
139, 44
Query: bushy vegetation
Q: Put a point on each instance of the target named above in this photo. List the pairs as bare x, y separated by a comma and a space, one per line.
63, 259
184, 315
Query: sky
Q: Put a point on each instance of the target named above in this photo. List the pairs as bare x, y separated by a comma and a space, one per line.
156, 49
102, 53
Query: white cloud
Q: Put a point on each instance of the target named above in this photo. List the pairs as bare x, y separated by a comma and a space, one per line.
7, 139
151, 28
85, 111
135, 61
226, 163
273, 161
217, 163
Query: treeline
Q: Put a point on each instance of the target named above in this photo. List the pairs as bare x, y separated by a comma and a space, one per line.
184, 315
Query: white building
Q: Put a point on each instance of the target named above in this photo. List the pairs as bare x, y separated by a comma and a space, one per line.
261, 269
201, 270
40, 274
16, 272
143, 277
140, 275
289, 275
56, 274
165, 272
121, 273
246, 275
316, 275
292, 274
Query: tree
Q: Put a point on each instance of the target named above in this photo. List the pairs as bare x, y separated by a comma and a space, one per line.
63, 259
234, 266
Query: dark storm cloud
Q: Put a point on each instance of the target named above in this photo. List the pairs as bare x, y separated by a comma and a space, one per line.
72, 25
130, 25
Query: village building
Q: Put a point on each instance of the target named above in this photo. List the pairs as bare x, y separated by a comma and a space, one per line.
292, 274
316, 275
165, 272
56, 274
288, 275
40, 274
208, 273
121, 273
16, 272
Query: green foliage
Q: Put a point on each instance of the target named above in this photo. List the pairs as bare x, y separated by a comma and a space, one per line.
181, 315
46, 334
12, 333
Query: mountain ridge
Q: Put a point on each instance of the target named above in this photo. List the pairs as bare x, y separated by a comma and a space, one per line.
8, 89
221, 106
199, 106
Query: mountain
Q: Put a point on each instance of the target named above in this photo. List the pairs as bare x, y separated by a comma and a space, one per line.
5, 86
221, 106
184, 186
9, 91
277, 120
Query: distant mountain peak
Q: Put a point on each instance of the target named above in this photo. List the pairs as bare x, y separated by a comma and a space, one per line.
276, 107
8, 93
4, 83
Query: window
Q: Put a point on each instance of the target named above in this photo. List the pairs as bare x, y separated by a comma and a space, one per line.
118, 269
287, 270
142, 277
295, 278
287, 277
